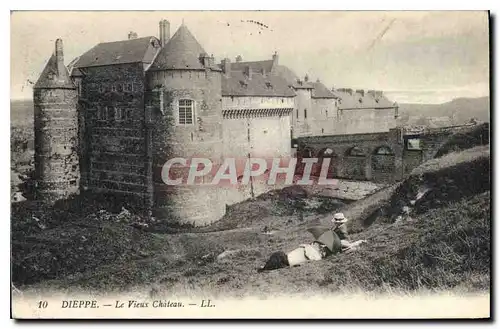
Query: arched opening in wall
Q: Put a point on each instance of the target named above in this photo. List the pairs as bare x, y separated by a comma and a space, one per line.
355, 163
302, 154
383, 164
325, 155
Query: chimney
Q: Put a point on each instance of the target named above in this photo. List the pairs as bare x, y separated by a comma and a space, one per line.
205, 60
361, 92
238, 59
275, 58
132, 35
248, 72
226, 66
59, 55
306, 78
164, 32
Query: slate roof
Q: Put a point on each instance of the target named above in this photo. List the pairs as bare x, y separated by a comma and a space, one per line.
292, 79
355, 100
119, 52
256, 66
238, 84
54, 76
182, 51
320, 91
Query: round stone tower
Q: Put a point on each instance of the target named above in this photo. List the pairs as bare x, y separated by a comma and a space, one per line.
185, 109
55, 98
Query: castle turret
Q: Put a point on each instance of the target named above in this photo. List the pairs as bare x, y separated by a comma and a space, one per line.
55, 99
184, 104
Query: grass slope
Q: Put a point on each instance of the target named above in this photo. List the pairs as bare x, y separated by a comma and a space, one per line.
445, 246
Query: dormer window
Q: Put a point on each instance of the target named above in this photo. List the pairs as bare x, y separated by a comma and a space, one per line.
186, 112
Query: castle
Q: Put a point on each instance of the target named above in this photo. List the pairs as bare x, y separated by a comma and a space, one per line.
110, 120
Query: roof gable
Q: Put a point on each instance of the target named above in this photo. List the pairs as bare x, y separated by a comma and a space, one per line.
140, 50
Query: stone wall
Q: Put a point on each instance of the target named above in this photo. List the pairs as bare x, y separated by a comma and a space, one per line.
324, 115
57, 170
194, 204
114, 139
364, 121
355, 156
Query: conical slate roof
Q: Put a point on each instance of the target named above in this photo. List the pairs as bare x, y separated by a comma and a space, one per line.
55, 74
182, 51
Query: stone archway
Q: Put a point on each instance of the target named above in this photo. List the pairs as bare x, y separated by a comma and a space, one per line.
328, 153
355, 159
383, 164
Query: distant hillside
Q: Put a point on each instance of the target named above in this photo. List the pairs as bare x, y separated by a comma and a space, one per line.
21, 112
458, 111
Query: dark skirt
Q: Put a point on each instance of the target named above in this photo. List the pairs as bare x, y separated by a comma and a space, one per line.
277, 260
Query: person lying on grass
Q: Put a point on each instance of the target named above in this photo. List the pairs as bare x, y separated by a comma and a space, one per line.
328, 241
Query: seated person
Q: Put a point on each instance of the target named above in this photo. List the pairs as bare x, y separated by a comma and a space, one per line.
340, 228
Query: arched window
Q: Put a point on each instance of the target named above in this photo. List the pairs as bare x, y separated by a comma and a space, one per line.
383, 150
186, 109
355, 152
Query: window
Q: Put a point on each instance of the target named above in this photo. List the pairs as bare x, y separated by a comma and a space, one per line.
297, 113
100, 115
110, 112
355, 151
118, 114
186, 111
113, 87
413, 144
101, 88
384, 150
305, 113
326, 113
128, 87
128, 114
119, 87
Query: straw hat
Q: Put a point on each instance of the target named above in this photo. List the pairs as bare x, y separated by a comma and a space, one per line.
339, 218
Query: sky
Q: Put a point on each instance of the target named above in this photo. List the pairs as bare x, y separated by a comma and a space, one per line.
413, 56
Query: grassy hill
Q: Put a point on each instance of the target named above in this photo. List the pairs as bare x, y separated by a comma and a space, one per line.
445, 245
459, 111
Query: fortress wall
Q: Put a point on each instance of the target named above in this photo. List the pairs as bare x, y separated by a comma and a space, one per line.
117, 156
365, 121
324, 116
365, 165
260, 137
